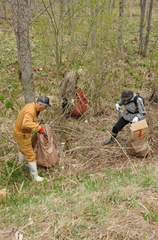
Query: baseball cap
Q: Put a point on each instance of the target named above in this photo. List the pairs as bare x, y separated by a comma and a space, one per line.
44, 100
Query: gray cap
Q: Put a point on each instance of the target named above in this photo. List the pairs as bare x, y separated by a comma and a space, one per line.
126, 94
44, 100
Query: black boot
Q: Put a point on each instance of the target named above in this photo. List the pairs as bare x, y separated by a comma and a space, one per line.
114, 135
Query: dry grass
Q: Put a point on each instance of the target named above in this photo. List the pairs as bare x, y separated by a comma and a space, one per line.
71, 217
96, 192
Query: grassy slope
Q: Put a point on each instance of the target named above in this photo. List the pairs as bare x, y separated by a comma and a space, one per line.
94, 192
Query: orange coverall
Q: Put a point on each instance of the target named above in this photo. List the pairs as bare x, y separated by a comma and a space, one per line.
26, 126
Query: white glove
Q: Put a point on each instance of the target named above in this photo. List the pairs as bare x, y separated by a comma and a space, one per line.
118, 107
72, 101
135, 119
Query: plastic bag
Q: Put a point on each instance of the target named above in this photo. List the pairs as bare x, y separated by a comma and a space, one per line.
46, 153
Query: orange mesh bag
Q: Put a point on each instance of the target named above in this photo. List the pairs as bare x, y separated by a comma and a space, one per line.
46, 154
80, 104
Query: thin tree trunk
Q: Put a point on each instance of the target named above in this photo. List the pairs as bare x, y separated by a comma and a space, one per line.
20, 10
4, 10
145, 14
146, 42
112, 4
120, 29
141, 29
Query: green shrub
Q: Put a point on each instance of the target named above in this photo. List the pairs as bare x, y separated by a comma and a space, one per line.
15, 85
2, 97
9, 104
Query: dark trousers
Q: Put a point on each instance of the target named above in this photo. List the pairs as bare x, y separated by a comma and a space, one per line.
119, 125
66, 107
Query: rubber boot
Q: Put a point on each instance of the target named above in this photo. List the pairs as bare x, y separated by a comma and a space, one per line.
21, 158
33, 171
112, 138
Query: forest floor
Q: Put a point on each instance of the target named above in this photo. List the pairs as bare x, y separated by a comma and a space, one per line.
84, 152
133, 213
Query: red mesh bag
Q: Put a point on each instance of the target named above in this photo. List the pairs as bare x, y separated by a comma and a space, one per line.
80, 104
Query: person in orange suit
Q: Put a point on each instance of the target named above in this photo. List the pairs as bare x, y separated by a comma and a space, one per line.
25, 128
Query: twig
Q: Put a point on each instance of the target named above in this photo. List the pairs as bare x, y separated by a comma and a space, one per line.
126, 155
40, 13
8, 139
19, 190
69, 179
46, 230
82, 147
143, 207
87, 161
77, 148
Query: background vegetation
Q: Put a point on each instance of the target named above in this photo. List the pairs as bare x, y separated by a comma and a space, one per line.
94, 192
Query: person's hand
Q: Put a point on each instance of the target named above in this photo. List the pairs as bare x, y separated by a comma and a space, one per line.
118, 107
72, 101
41, 130
135, 119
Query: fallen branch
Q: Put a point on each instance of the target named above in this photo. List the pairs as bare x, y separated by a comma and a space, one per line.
126, 155
8, 139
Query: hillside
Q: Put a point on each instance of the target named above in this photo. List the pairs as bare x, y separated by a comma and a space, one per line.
95, 192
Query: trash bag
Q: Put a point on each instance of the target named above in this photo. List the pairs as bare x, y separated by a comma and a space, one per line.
46, 153
139, 146
80, 103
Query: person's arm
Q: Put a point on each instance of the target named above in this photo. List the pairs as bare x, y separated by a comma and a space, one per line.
63, 87
28, 122
120, 102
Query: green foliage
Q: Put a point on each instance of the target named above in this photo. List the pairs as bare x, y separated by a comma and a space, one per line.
127, 60
12, 173
89, 200
2, 97
101, 127
151, 216
84, 152
9, 104
15, 85
15, 175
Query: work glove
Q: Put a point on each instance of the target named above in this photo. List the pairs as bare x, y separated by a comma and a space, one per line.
135, 119
41, 131
118, 107
72, 101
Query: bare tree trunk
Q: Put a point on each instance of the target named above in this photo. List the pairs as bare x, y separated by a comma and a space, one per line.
4, 9
70, 12
145, 17
148, 28
112, 4
141, 29
55, 27
120, 29
21, 10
